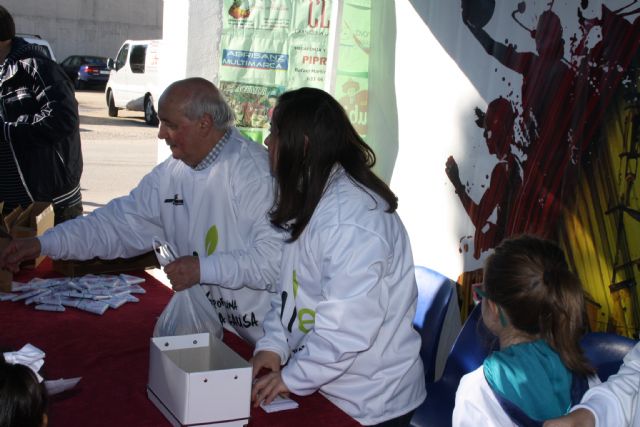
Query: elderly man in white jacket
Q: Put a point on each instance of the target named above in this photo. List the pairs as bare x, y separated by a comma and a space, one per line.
612, 403
210, 201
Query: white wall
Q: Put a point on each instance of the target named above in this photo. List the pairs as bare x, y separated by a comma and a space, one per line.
93, 27
191, 41
435, 100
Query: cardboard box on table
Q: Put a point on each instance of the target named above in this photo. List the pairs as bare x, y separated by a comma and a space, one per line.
198, 380
37, 218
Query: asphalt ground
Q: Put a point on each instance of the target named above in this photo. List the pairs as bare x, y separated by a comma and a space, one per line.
117, 151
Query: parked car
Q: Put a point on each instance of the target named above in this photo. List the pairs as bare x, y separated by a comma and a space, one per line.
134, 80
45, 47
86, 70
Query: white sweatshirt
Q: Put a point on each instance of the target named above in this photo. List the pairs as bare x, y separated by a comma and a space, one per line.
343, 318
615, 402
229, 200
477, 405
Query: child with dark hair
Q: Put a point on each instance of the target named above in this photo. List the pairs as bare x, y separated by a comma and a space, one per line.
342, 319
535, 307
23, 399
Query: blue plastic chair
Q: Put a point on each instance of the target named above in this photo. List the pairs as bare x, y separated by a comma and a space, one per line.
434, 295
473, 344
605, 351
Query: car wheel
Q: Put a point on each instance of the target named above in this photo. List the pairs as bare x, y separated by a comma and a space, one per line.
79, 84
150, 115
113, 111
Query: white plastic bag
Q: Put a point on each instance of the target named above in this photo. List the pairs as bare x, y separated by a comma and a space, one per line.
188, 312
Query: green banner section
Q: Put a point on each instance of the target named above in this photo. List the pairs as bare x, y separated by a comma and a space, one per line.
352, 73
267, 47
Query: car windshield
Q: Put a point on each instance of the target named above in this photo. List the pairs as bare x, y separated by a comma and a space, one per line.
94, 60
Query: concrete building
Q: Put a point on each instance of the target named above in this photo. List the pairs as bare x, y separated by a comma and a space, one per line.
91, 27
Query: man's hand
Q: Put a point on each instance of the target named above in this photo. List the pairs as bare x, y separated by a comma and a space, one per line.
183, 272
579, 418
17, 251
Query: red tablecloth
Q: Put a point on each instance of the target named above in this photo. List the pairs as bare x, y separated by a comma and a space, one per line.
111, 354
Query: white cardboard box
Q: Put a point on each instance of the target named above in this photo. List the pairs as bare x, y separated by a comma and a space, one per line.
198, 379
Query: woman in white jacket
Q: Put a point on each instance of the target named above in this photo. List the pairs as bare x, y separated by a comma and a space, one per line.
342, 319
535, 307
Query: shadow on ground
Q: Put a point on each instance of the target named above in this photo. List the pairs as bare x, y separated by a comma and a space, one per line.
92, 88
112, 121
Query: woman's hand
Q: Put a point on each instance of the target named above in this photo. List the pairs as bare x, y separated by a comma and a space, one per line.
267, 387
265, 359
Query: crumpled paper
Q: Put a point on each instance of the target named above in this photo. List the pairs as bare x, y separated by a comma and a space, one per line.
33, 358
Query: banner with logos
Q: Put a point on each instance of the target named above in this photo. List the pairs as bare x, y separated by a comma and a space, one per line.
268, 47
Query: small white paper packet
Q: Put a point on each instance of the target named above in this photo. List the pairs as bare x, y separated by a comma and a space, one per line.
279, 404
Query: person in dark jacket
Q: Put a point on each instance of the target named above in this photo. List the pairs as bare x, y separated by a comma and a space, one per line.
40, 155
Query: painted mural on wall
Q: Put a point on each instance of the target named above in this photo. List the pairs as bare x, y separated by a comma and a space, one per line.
564, 139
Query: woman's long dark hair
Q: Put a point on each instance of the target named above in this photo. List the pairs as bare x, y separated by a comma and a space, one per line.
314, 134
530, 280
23, 400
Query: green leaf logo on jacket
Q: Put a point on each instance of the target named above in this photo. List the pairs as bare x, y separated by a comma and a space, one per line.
306, 316
211, 240
295, 284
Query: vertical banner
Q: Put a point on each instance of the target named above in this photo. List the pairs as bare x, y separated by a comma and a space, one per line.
267, 47
352, 71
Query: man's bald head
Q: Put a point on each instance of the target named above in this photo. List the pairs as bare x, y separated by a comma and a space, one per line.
195, 97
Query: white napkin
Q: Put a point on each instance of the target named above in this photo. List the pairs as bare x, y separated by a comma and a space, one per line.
165, 254
58, 386
29, 356
33, 358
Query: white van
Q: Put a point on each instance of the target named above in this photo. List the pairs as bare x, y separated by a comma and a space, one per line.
45, 47
133, 81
